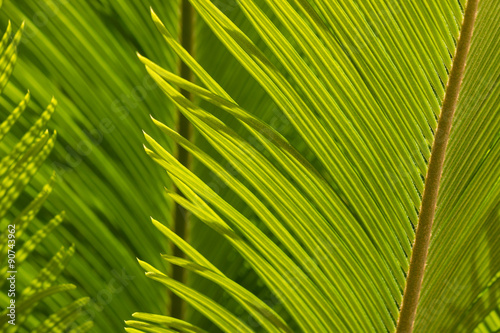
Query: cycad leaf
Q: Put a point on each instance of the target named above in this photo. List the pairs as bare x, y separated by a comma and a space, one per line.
362, 84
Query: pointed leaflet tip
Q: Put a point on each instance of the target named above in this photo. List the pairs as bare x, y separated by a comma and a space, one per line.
53, 101
159, 24
54, 135
153, 14
162, 126
142, 58
140, 261
144, 265
157, 123
27, 97
148, 137
157, 224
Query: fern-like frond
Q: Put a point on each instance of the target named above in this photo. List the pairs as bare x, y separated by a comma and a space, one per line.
362, 84
17, 168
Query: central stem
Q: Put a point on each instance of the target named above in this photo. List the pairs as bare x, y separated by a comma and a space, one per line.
184, 128
435, 169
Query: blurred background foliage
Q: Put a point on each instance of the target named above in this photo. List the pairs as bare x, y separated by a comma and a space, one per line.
83, 53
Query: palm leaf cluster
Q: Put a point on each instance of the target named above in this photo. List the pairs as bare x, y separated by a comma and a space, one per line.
17, 168
362, 84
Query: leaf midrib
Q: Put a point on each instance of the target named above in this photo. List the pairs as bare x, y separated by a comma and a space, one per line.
184, 128
434, 172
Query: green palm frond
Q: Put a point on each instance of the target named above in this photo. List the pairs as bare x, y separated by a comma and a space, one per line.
17, 168
362, 84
